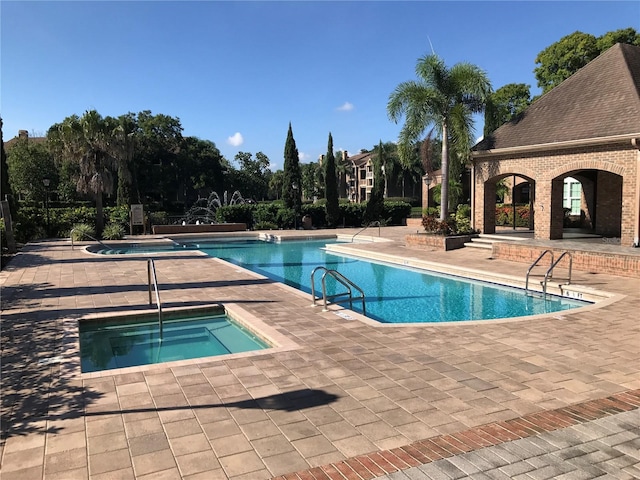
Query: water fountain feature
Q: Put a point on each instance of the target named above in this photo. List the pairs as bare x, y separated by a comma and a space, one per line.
201, 217
204, 209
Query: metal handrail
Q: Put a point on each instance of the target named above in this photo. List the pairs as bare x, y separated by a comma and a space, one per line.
344, 281
526, 285
550, 271
151, 275
83, 234
372, 224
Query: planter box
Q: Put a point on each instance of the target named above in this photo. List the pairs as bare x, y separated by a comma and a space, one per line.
424, 240
208, 228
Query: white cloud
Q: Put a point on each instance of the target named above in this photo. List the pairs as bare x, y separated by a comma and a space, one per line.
303, 157
236, 140
345, 107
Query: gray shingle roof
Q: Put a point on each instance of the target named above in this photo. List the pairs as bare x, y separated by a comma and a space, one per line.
601, 99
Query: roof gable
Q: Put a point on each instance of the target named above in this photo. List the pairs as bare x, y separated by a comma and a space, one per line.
602, 99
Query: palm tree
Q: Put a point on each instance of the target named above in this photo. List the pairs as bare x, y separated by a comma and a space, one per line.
93, 143
442, 97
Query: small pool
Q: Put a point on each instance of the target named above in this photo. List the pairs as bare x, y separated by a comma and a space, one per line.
126, 342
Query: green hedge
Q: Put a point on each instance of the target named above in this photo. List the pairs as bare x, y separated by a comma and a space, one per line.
31, 222
241, 213
395, 213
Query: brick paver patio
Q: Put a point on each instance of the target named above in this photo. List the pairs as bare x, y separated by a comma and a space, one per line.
342, 391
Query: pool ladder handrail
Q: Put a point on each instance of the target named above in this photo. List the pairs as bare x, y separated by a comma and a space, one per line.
549, 273
344, 281
84, 234
536, 261
372, 224
151, 276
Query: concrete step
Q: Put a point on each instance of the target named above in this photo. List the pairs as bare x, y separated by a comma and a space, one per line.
475, 244
483, 240
498, 237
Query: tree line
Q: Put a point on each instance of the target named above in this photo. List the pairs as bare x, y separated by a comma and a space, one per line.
144, 157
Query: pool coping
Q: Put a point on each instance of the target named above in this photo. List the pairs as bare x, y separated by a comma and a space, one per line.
605, 298
598, 298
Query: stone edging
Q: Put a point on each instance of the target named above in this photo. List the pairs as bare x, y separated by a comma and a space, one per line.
372, 465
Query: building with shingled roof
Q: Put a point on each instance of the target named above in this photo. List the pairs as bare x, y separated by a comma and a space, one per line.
587, 129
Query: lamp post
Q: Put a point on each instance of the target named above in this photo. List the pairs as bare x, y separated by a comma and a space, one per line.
46, 182
427, 181
294, 186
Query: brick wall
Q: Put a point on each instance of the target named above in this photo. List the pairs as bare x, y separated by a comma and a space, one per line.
622, 264
617, 167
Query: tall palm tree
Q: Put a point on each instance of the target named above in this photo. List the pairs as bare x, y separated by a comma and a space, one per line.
442, 97
91, 141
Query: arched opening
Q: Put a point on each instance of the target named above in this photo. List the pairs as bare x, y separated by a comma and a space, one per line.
590, 203
509, 203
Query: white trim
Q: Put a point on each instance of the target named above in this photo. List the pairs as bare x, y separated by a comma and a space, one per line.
634, 138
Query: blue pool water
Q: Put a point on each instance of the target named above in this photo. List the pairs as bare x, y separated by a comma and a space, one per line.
393, 294
105, 345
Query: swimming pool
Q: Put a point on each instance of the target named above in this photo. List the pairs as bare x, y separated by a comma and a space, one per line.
393, 294
126, 342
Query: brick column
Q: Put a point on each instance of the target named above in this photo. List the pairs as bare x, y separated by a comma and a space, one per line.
542, 210
489, 207
557, 210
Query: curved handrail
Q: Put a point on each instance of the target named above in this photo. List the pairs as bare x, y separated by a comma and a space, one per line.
84, 234
151, 275
548, 275
313, 284
372, 224
344, 281
526, 285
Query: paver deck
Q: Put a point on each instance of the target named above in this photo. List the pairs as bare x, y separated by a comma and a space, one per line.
347, 391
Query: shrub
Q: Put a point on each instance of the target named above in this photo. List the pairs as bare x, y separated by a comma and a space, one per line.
241, 213
352, 214
317, 212
396, 213
265, 213
29, 224
82, 231
463, 211
504, 215
118, 215
431, 212
159, 218
462, 220
435, 226
463, 226
286, 218
265, 226
113, 231
3, 236
413, 201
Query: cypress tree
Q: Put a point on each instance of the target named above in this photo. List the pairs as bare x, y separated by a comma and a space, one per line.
331, 186
6, 192
292, 181
375, 205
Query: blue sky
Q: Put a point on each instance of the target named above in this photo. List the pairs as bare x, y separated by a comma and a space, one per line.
237, 73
